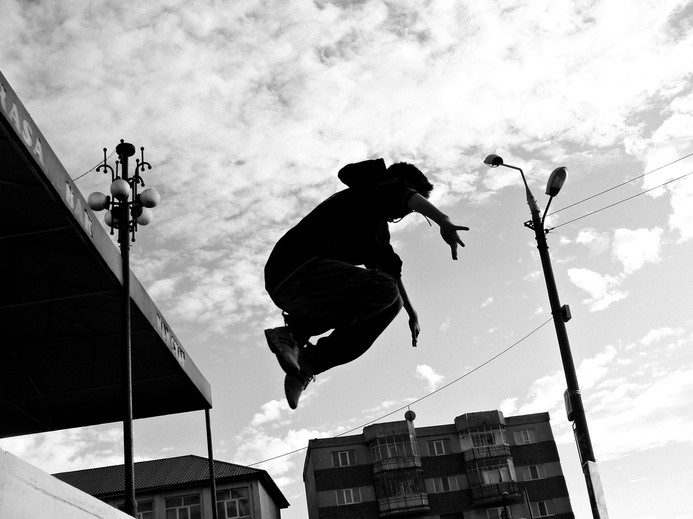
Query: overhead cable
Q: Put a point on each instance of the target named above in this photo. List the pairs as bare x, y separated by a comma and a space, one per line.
477, 368
93, 167
621, 201
621, 184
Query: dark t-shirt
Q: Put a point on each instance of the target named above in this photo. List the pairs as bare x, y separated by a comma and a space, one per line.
350, 226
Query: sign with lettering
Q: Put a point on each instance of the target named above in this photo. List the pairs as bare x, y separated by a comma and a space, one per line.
22, 123
17, 114
170, 339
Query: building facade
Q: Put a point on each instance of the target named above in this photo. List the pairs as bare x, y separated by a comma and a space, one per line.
179, 488
483, 466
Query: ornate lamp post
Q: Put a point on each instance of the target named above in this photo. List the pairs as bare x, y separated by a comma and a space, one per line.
125, 214
561, 315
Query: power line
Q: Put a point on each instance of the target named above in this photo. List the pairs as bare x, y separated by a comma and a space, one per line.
622, 184
477, 368
621, 201
93, 167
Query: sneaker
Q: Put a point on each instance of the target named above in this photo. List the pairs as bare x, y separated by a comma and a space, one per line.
294, 385
283, 345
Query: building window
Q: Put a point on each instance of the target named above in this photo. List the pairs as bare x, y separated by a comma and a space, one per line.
525, 436
145, 510
439, 447
183, 507
490, 473
348, 496
498, 513
397, 446
343, 458
234, 502
482, 439
395, 484
543, 508
534, 472
488, 436
445, 484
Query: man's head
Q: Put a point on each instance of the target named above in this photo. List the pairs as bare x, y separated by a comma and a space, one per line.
412, 176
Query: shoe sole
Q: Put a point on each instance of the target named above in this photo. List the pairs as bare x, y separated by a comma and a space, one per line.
288, 364
292, 404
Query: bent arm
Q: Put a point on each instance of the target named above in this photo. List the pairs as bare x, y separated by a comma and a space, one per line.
419, 204
413, 316
448, 230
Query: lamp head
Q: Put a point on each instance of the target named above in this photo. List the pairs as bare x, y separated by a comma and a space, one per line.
120, 189
556, 181
145, 217
493, 161
98, 201
149, 197
110, 219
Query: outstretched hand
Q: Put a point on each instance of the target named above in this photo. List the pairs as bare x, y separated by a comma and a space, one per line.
448, 232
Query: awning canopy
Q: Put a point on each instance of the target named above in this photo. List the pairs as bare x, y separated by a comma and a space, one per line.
60, 290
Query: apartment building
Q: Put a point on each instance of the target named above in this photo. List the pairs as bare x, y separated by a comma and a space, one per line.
482, 466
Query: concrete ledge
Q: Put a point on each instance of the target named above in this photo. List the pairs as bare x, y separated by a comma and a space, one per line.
27, 492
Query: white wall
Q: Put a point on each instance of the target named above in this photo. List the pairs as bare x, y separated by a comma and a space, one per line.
27, 493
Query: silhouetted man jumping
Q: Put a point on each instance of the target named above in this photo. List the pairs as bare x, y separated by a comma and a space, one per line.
314, 272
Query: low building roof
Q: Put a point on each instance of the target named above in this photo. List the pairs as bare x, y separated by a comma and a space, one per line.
167, 473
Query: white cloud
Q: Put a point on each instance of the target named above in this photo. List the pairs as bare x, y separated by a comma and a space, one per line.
432, 379
271, 412
544, 394
657, 334
681, 218
670, 142
594, 369
634, 248
508, 406
254, 93
533, 276
69, 449
597, 242
260, 446
635, 396
445, 325
603, 290
646, 415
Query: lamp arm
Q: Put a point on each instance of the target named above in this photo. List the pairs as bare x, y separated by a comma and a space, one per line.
517, 169
546, 211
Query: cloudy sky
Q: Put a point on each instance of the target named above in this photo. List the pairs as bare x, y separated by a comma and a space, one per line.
247, 109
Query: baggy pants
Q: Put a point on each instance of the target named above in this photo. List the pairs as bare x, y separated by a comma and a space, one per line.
356, 303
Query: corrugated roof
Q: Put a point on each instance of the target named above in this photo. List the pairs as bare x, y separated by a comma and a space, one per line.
167, 472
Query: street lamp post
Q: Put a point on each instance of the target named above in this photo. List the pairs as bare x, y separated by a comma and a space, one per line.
561, 315
125, 213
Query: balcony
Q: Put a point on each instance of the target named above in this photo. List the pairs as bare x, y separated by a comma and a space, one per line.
493, 494
397, 462
404, 504
486, 452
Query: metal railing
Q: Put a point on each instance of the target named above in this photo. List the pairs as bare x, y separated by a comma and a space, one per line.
493, 493
488, 451
404, 504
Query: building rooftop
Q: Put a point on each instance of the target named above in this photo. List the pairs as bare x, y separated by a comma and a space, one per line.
182, 471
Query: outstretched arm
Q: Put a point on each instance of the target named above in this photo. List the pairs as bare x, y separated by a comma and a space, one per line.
448, 230
413, 316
